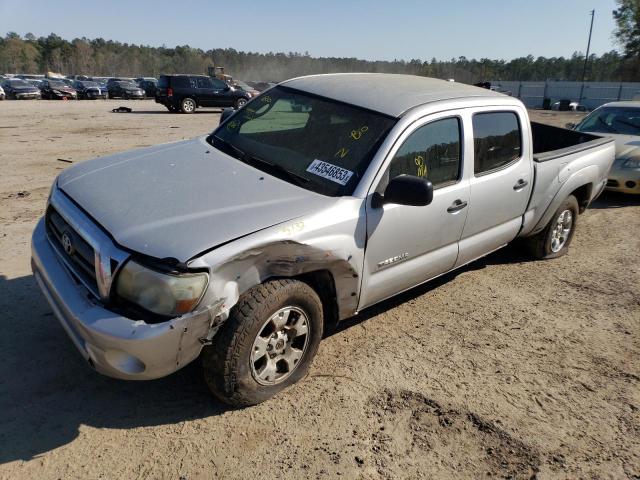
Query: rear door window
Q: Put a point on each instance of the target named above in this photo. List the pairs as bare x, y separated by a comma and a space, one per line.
497, 141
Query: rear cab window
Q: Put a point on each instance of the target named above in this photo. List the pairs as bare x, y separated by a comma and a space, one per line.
497, 140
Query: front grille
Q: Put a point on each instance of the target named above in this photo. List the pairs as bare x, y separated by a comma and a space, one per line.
80, 258
612, 183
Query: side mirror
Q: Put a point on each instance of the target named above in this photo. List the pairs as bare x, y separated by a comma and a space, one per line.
406, 190
226, 113
570, 125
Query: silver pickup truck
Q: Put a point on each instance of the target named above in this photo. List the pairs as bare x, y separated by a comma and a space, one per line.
322, 196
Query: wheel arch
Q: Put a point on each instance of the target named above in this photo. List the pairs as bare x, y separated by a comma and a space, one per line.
583, 195
329, 273
581, 183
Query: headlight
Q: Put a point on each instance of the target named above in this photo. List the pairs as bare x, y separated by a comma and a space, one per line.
160, 293
631, 163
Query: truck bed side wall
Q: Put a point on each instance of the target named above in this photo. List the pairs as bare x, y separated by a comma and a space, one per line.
559, 173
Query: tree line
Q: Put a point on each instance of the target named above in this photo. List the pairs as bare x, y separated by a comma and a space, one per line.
99, 57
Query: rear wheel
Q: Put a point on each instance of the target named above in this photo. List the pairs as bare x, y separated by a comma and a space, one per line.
266, 345
554, 240
188, 105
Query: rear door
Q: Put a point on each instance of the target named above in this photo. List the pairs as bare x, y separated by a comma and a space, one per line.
409, 245
501, 183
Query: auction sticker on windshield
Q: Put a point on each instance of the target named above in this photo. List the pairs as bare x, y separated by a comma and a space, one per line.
330, 172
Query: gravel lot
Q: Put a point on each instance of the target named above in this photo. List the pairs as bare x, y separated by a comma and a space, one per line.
509, 368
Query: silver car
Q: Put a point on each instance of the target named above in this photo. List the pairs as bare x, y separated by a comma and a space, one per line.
321, 197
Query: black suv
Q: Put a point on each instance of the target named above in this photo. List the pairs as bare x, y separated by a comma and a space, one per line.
185, 93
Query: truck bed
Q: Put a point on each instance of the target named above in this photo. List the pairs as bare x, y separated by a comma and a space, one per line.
552, 142
563, 161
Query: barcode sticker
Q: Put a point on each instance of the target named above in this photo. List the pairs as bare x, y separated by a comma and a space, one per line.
330, 172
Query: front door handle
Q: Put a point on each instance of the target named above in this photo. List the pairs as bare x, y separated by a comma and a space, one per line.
457, 206
520, 184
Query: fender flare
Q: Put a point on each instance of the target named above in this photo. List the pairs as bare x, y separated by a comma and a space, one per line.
286, 259
584, 176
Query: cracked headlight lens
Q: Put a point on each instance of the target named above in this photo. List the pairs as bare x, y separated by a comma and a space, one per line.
158, 292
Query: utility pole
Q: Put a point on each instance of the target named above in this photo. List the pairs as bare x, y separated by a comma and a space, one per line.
586, 57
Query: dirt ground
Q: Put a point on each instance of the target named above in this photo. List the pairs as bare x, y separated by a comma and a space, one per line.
509, 368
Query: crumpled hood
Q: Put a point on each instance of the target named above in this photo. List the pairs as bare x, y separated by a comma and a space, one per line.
177, 200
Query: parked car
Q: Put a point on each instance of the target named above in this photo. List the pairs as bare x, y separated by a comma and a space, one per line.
2, 94
261, 86
620, 121
254, 240
148, 84
18, 89
89, 90
246, 88
35, 82
185, 93
57, 90
124, 89
570, 107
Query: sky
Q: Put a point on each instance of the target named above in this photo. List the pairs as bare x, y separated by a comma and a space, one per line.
372, 30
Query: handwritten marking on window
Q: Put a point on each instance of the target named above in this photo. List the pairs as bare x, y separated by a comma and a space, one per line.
342, 153
233, 125
357, 134
267, 99
422, 168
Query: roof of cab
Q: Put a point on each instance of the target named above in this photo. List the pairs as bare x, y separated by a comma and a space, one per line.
385, 93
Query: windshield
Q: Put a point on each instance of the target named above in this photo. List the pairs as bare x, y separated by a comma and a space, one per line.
18, 83
127, 85
88, 84
57, 84
316, 143
616, 120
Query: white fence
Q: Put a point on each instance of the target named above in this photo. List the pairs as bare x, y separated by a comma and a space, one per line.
590, 94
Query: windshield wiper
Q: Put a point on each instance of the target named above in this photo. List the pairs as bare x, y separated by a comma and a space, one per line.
236, 150
279, 170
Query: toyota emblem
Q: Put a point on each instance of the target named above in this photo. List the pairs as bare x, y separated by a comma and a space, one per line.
67, 244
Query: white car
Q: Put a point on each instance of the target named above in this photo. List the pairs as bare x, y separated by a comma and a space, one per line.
620, 121
2, 95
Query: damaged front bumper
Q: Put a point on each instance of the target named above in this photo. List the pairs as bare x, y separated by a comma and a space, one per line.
113, 344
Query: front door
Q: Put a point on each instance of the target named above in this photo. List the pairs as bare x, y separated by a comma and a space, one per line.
409, 245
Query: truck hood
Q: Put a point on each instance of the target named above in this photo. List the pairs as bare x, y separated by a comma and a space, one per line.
180, 199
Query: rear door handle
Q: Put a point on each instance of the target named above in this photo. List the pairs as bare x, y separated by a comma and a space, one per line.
457, 206
521, 184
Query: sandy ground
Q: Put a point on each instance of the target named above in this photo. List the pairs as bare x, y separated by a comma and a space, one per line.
509, 368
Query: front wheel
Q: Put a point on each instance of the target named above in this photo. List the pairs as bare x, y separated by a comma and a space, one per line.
240, 102
266, 345
554, 240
